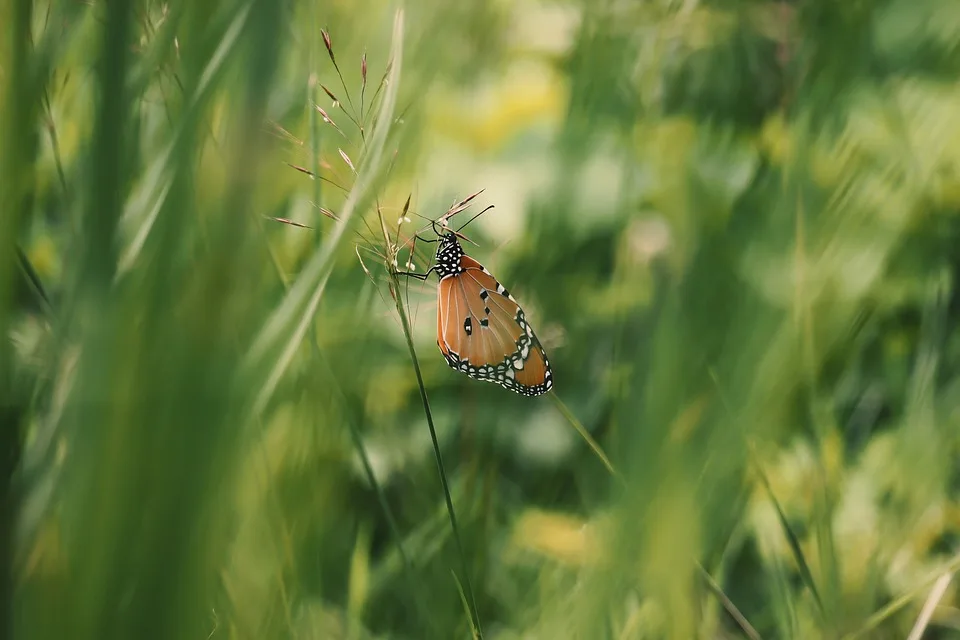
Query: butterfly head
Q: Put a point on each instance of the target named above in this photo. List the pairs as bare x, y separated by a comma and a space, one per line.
449, 253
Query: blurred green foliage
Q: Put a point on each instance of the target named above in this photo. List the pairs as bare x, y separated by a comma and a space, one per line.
733, 223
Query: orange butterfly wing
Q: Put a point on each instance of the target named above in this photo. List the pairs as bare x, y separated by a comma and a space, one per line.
482, 331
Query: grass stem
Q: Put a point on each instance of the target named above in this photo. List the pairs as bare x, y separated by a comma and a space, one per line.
408, 337
593, 444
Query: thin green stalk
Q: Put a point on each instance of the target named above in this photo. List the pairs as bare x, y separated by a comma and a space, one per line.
576, 424
728, 604
34, 284
474, 631
805, 573
408, 337
392, 525
54, 142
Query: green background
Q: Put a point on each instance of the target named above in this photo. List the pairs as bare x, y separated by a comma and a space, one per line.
732, 223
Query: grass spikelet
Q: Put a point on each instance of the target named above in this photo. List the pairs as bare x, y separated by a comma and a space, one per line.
329, 120
346, 158
363, 81
330, 94
289, 222
328, 44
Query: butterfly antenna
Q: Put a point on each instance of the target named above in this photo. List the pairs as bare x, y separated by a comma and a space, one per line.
475, 217
419, 231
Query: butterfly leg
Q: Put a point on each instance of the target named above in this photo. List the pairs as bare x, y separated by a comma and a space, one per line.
418, 276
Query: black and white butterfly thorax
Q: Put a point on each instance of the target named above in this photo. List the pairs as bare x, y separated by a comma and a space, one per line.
448, 256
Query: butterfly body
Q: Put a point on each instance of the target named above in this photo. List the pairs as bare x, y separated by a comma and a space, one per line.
447, 262
481, 330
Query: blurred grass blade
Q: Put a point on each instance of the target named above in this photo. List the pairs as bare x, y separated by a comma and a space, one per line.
32, 283
593, 444
227, 44
884, 614
154, 397
728, 604
936, 595
18, 120
147, 200
108, 181
474, 632
794, 543
131, 251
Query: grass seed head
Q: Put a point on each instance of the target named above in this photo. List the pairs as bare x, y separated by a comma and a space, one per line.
328, 44
346, 159
336, 100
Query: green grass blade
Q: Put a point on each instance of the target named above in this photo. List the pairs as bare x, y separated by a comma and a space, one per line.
593, 444
805, 574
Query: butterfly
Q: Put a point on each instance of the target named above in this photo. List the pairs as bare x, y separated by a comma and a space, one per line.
481, 329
